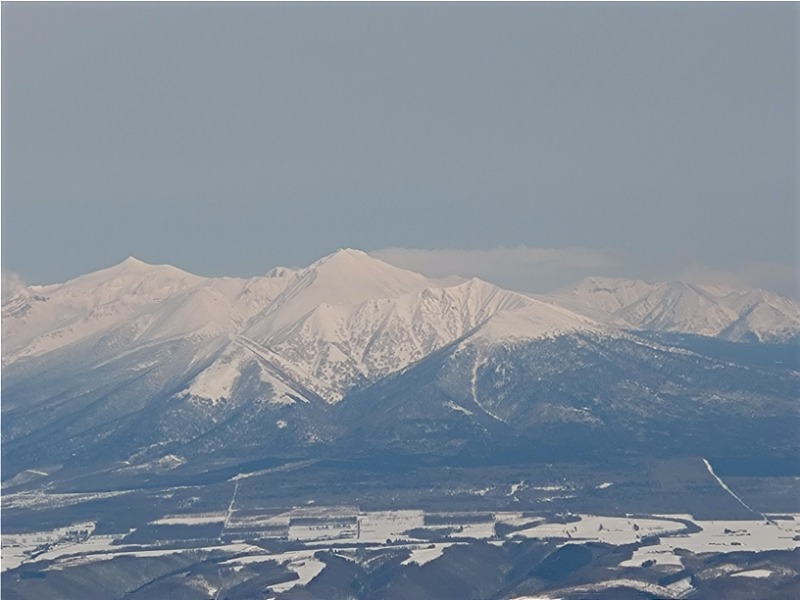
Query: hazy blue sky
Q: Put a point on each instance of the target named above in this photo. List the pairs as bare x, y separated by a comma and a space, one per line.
630, 139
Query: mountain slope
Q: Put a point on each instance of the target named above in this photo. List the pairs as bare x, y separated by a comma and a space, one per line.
344, 278
711, 310
349, 347
148, 302
368, 319
576, 395
139, 361
50, 317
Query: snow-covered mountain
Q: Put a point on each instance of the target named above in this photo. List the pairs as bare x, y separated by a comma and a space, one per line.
350, 346
141, 360
343, 322
711, 310
138, 302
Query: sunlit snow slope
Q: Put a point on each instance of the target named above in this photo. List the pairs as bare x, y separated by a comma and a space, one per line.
712, 310
138, 362
343, 322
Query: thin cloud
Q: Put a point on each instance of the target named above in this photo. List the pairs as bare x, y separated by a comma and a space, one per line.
11, 284
543, 270
779, 277
519, 267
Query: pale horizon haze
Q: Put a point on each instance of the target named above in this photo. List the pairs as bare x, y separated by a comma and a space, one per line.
530, 144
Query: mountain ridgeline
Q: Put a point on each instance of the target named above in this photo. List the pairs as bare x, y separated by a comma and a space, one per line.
151, 369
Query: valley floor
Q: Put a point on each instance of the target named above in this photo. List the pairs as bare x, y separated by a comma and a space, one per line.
533, 531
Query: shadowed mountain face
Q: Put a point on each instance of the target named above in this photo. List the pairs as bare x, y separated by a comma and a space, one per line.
148, 366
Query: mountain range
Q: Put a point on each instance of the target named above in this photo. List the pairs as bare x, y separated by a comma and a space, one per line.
712, 310
144, 364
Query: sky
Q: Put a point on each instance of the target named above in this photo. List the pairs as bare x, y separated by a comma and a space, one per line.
527, 143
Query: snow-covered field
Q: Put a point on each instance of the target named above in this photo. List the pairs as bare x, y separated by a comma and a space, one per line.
756, 573
301, 562
336, 528
41, 500
377, 527
306, 566
722, 536
198, 519
425, 554
610, 530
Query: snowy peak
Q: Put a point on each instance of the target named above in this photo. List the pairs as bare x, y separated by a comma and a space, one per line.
768, 318
347, 347
133, 267
133, 263
678, 307
131, 281
360, 277
711, 310
346, 321
607, 294
345, 256
344, 278
536, 320
89, 305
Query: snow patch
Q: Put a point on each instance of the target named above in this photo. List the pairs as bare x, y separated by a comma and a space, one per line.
756, 573
306, 566
196, 519
610, 530
453, 406
421, 555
